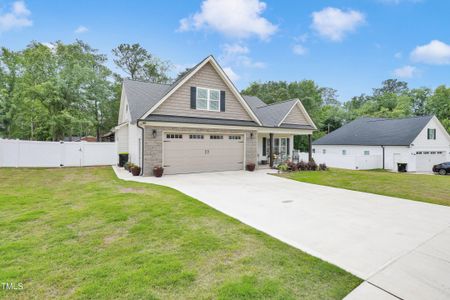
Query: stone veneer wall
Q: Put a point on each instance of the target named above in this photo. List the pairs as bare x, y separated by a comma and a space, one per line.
153, 146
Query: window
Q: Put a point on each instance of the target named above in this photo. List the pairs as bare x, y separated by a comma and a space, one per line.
324, 151
196, 136
216, 137
366, 152
208, 99
344, 152
174, 136
431, 134
234, 137
280, 146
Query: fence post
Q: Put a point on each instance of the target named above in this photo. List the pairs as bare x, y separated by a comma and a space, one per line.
18, 153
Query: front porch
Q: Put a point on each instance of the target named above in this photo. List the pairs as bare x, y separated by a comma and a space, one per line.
276, 148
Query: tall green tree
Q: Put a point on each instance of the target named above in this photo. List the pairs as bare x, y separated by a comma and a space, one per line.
140, 64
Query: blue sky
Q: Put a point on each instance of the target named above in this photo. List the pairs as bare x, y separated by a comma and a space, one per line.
347, 45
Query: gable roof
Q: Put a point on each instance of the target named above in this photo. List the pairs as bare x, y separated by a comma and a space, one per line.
142, 96
272, 115
180, 81
376, 132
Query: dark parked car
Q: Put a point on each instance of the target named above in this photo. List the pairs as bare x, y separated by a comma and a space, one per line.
443, 168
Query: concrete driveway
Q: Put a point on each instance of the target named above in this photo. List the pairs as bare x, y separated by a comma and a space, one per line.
400, 248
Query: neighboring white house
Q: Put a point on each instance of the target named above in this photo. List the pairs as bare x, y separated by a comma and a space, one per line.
376, 143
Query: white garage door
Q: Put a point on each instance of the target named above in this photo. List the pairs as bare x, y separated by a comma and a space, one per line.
426, 159
197, 152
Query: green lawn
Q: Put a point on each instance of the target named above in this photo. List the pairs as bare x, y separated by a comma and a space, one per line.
426, 188
82, 233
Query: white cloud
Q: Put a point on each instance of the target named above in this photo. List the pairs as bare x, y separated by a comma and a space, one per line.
18, 17
234, 18
299, 50
235, 49
398, 55
435, 53
237, 55
81, 29
405, 72
334, 23
231, 74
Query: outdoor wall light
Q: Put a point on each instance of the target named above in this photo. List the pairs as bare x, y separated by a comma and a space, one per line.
154, 133
251, 135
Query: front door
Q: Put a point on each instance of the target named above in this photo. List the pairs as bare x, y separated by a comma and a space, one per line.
280, 148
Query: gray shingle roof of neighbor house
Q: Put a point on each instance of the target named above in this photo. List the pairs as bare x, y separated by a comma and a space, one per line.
376, 132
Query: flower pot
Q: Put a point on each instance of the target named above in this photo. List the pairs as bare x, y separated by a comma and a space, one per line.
158, 172
250, 167
136, 171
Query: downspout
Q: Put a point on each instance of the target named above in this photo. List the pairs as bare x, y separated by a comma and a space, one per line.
383, 155
142, 147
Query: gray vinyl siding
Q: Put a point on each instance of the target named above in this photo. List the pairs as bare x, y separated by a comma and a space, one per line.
296, 117
178, 104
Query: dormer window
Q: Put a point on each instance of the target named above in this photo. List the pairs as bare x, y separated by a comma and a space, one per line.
431, 134
208, 99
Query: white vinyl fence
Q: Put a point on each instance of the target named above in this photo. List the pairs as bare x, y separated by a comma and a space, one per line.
354, 162
17, 153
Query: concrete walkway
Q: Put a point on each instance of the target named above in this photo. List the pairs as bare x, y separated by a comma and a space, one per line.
400, 248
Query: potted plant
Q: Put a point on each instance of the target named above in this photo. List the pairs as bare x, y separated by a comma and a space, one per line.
250, 167
135, 170
158, 171
130, 166
126, 165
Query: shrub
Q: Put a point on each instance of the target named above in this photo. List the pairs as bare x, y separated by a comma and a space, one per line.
283, 167
312, 166
126, 166
323, 167
302, 166
250, 167
292, 166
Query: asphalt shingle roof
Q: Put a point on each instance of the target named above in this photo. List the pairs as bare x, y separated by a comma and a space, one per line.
142, 96
376, 132
269, 115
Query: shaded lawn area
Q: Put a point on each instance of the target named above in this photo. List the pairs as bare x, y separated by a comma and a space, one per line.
83, 233
426, 188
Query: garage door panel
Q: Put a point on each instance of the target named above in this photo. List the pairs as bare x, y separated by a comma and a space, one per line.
426, 159
203, 155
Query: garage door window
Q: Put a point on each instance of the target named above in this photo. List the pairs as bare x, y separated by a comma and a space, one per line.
174, 136
216, 137
196, 136
234, 137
